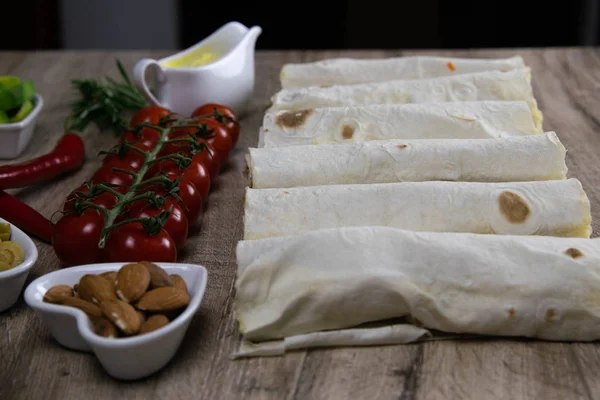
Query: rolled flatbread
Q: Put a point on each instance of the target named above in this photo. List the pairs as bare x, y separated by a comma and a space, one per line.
335, 279
363, 336
460, 120
489, 85
513, 159
552, 208
346, 71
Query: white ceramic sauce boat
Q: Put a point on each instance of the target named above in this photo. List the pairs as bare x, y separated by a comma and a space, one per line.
229, 80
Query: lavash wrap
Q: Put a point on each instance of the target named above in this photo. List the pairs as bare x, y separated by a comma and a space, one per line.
290, 290
489, 85
345, 71
460, 120
552, 208
511, 159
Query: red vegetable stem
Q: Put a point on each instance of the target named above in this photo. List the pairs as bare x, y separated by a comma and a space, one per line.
24, 217
67, 156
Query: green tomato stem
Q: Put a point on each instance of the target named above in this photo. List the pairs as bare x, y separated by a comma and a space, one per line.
147, 195
155, 179
174, 157
105, 188
155, 127
125, 171
89, 204
111, 215
124, 222
130, 147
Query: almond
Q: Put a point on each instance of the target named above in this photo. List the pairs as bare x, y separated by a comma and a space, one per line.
104, 327
153, 323
174, 314
164, 299
123, 315
87, 307
58, 293
178, 282
95, 288
110, 276
132, 282
141, 316
158, 276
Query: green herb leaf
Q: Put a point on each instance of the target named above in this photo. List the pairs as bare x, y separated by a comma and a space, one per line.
104, 103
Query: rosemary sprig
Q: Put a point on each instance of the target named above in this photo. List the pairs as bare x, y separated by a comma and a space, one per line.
104, 102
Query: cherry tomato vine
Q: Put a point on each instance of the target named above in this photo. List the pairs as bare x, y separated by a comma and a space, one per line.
149, 189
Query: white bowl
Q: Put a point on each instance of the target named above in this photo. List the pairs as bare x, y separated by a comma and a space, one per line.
15, 137
122, 358
12, 281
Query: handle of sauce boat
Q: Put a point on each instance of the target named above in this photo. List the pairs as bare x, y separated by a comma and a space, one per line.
139, 77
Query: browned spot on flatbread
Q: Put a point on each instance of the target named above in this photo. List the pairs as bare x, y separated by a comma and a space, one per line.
347, 132
511, 312
514, 208
402, 146
550, 314
574, 253
293, 119
325, 86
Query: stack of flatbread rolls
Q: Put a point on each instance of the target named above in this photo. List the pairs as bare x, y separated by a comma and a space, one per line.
393, 199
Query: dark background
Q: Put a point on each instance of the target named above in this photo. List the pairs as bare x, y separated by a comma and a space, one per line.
168, 24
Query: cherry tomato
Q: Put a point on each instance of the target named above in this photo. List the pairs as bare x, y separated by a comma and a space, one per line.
134, 159
227, 118
160, 166
130, 242
207, 156
147, 136
219, 138
174, 148
196, 172
176, 225
150, 115
171, 116
105, 200
75, 238
191, 200
181, 132
105, 174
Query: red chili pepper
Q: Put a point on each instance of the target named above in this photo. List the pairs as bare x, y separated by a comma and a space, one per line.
24, 217
67, 156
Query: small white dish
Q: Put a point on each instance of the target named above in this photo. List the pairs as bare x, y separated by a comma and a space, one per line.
15, 137
12, 281
122, 358
229, 80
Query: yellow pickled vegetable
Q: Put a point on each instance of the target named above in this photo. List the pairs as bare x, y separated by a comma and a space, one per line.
11, 254
4, 232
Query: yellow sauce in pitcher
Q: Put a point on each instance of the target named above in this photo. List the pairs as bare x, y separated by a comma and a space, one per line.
196, 58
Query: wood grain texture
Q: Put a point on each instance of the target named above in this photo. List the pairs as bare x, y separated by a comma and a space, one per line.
32, 366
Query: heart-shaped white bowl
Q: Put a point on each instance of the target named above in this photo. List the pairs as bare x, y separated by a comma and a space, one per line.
123, 358
12, 281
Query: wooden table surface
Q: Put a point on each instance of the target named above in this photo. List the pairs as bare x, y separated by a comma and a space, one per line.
33, 366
